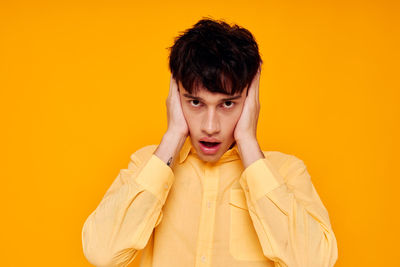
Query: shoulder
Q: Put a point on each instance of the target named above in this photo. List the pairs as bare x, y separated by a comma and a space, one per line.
285, 163
279, 158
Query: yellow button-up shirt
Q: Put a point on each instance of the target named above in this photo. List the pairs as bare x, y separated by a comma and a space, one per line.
211, 215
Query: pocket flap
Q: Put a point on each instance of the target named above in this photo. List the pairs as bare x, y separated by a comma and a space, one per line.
238, 198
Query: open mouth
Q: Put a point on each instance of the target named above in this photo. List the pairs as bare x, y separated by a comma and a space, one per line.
209, 144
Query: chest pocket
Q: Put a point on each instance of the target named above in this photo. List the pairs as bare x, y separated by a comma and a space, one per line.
243, 241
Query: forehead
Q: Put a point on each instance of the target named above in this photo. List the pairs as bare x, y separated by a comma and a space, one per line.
203, 93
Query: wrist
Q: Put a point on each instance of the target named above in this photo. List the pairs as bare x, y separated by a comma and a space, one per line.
249, 151
168, 149
173, 137
171, 133
247, 140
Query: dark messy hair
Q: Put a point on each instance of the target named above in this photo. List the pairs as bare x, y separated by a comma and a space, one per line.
214, 55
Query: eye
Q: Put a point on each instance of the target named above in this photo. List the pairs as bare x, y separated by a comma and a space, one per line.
231, 104
194, 104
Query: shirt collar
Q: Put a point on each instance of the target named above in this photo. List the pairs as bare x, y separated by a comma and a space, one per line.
188, 148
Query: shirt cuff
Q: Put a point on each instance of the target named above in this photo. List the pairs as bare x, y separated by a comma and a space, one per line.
156, 177
259, 178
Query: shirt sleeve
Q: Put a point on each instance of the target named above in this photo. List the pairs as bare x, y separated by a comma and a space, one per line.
125, 218
291, 222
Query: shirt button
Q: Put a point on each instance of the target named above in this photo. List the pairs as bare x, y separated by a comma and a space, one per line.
246, 188
166, 186
203, 258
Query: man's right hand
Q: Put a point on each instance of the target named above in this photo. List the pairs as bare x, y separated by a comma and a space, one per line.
178, 129
176, 120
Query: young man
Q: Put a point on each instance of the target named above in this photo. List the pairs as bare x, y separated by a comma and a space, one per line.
207, 195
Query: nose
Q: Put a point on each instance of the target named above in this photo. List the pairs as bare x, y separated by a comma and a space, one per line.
210, 123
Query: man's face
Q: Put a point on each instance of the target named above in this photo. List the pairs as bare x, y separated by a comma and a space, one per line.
213, 116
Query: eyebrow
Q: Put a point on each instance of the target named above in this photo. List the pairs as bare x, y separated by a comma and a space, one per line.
223, 99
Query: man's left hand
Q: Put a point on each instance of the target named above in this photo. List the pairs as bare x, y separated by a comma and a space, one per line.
245, 132
246, 127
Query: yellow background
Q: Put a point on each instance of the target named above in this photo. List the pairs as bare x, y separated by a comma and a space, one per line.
83, 85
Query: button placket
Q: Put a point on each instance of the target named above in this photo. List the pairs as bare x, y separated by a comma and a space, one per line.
207, 218
203, 258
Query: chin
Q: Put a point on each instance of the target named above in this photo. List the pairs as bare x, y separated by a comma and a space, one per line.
210, 158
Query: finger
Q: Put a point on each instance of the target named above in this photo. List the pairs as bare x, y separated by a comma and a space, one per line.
254, 86
173, 87
170, 85
258, 84
176, 88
